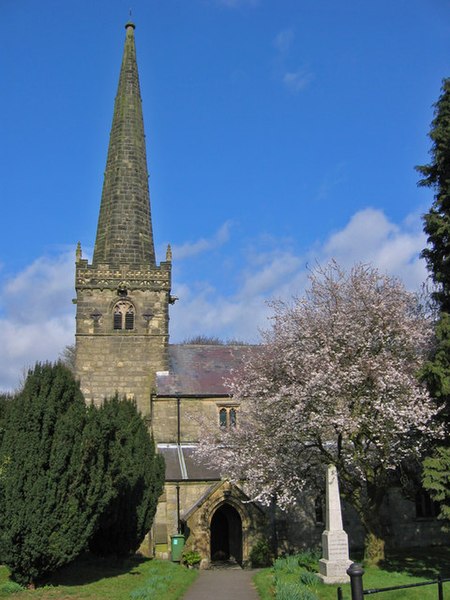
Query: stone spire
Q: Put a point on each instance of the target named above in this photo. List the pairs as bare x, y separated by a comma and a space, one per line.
124, 231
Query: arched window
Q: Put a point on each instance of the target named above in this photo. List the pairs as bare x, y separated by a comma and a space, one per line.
227, 417
123, 315
223, 417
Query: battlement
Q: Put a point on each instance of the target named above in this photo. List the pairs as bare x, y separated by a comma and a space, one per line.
106, 277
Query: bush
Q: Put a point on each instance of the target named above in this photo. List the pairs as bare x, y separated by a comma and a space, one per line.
10, 587
51, 478
135, 477
191, 558
309, 559
287, 590
309, 579
261, 554
286, 565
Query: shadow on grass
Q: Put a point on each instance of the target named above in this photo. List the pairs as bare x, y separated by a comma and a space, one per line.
421, 562
88, 568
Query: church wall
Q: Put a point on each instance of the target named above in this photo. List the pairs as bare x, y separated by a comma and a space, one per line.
166, 518
193, 411
123, 361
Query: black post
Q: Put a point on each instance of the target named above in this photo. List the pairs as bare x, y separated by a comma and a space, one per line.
440, 588
178, 509
356, 573
339, 594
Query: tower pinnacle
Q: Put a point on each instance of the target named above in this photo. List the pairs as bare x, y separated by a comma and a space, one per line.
124, 231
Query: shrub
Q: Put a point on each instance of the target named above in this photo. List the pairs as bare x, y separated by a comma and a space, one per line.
310, 579
288, 590
286, 565
10, 587
191, 558
51, 478
261, 554
135, 477
309, 559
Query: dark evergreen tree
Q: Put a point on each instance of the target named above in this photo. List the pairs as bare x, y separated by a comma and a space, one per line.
436, 175
5, 403
51, 475
135, 474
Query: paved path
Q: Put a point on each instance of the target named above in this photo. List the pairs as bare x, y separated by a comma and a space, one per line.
223, 584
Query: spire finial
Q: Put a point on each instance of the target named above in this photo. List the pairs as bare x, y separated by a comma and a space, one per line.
130, 21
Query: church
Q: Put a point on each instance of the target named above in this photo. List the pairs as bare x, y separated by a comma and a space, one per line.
123, 300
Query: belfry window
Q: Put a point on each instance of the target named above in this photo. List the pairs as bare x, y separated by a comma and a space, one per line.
227, 417
123, 316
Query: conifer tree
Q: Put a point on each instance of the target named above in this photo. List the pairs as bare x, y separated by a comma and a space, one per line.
135, 476
51, 475
436, 175
5, 403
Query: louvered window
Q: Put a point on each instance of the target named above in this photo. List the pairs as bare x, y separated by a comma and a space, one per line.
129, 319
123, 317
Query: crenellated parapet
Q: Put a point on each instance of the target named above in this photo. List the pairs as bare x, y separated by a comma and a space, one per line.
103, 276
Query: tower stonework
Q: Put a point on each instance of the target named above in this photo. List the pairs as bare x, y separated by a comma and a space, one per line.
122, 321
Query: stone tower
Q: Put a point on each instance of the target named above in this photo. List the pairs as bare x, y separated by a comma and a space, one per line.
122, 321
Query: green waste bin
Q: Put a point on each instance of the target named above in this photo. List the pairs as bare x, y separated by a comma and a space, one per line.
176, 547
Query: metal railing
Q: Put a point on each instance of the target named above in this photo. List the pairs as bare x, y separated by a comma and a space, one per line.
356, 573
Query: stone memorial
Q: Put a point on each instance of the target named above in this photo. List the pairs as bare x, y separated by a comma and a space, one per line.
335, 561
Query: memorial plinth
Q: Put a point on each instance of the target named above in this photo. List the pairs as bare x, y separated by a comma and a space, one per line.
335, 562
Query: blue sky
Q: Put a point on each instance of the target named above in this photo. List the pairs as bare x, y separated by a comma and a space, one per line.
279, 133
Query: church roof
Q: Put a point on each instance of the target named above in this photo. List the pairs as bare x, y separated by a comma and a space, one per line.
180, 464
201, 370
124, 232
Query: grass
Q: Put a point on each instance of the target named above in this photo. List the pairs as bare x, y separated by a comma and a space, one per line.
91, 578
399, 568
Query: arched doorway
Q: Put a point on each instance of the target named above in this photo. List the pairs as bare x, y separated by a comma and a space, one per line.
226, 534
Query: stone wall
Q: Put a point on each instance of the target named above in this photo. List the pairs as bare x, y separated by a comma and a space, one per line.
192, 412
112, 360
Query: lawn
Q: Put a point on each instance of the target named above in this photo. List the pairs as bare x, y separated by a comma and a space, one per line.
403, 568
91, 578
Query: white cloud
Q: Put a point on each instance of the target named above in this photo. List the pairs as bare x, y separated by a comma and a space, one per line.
284, 40
37, 315
297, 80
294, 79
190, 249
369, 236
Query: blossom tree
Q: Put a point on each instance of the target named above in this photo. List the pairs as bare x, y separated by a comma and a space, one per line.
334, 382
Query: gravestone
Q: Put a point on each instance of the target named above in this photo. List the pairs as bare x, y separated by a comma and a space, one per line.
335, 562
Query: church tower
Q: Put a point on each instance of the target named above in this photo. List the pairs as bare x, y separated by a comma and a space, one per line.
122, 321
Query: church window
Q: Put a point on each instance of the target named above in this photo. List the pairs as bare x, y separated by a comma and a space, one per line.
123, 316
227, 417
223, 417
129, 319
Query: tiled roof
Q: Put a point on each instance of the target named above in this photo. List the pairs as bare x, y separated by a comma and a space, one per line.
201, 370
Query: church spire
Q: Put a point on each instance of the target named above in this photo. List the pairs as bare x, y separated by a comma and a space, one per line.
124, 231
